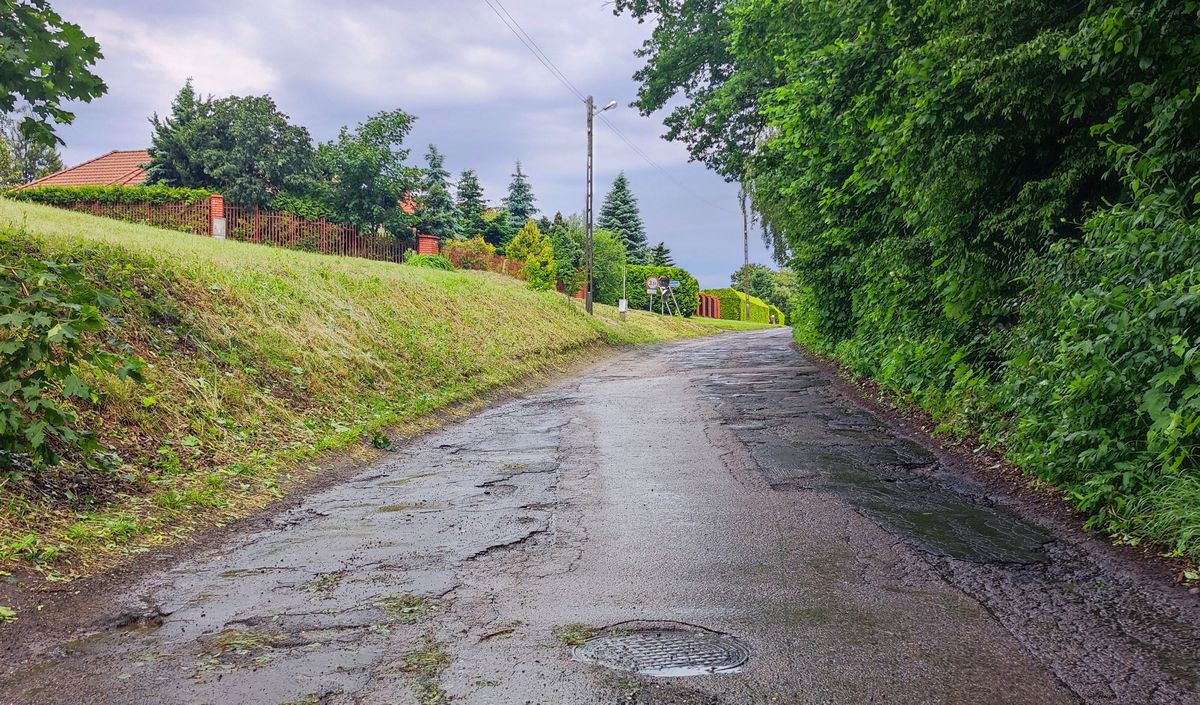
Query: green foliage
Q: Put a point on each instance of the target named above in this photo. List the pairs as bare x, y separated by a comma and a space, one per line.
471, 205
569, 255
24, 158
608, 260
44, 61
475, 253
496, 227
519, 203
776, 288
308, 207
69, 195
686, 294
51, 344
363, 176
991, 209
535, 251
243, 148
428, 261
660, 256
621, 215
439, 213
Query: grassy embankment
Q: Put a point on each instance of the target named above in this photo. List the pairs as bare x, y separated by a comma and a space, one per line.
259, 361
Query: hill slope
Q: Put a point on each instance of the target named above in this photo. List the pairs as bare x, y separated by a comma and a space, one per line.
258, 360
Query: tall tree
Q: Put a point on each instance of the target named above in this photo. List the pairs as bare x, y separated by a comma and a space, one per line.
439, 215
243, 147
520, 202
23, 158
471, 205
621, 215
660, 256
532, 248
44, 61
364, 178
568, 255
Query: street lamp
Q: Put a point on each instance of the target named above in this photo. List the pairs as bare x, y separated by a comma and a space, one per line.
591, 113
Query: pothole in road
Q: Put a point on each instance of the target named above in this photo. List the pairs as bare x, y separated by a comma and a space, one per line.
665, 652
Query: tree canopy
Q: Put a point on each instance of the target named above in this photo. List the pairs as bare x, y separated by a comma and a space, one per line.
24, 158
471, 205
660, 256
363, 174
243, 147
621, 215
520, 201
44, 62
439, 214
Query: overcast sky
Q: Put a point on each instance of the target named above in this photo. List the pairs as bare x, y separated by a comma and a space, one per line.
478, 93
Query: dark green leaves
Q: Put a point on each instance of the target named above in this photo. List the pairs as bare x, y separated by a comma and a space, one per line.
50, 318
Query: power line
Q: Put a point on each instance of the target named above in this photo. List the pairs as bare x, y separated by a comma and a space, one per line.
526, 39
521, 35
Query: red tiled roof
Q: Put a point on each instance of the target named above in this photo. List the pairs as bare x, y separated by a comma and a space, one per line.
120, 167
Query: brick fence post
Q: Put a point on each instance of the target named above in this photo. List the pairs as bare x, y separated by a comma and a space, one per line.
216, 216
427, 244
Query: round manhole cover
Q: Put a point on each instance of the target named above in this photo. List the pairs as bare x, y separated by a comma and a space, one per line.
665, 652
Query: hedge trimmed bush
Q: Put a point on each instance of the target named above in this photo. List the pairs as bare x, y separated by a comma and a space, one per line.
687, 294
70, 195
733, 307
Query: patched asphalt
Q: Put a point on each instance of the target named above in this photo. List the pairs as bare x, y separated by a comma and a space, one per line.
711, 485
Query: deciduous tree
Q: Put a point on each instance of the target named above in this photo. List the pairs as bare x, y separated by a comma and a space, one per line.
44, 62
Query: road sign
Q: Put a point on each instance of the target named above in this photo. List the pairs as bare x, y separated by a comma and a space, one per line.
651, 282
674, 284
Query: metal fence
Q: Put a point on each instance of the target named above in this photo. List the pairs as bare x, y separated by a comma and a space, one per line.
252, 224
185, 217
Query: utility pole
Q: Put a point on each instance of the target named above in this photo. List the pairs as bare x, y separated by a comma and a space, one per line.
591, 113
590, 105
745, 250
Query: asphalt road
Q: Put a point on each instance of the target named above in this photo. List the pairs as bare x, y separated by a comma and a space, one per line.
696, 489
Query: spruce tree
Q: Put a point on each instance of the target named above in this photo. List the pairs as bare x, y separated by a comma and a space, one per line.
520, 200
568, 255
471, 205
438, 215
660, 256
620, 214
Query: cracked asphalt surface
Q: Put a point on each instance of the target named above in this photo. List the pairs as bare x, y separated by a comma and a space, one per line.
716, 483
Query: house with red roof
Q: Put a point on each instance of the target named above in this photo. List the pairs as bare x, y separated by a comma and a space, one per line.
120, 167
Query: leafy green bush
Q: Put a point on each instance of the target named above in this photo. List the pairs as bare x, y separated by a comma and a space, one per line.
51, 319
686, 294
428, 261
472, 253
68, 195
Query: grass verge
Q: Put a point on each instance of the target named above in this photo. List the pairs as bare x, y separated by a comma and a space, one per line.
261, 360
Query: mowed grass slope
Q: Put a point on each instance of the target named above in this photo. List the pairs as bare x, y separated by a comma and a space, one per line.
259, 359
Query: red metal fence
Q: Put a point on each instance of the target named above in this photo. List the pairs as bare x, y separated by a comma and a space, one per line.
186, 217
252, 224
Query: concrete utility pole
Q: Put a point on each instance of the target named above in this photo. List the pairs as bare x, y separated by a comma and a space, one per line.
590, 105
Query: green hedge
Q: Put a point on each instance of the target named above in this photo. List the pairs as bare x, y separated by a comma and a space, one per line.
69, 195
733, 307
687, 294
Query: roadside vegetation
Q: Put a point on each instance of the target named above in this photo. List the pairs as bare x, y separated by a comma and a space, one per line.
253, 361
990, 209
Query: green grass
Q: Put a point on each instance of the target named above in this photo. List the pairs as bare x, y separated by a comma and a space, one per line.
723, 324
262, 359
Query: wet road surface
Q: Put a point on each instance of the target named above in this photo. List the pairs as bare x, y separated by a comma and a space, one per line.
711, 488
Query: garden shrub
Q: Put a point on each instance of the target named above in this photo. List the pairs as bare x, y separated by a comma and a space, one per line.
428, 261
474, 253
69, 195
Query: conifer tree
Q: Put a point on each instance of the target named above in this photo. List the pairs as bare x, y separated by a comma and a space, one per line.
620, 214
568, 255
536, 252
520, 200
660, 256
471, 205
438, 215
